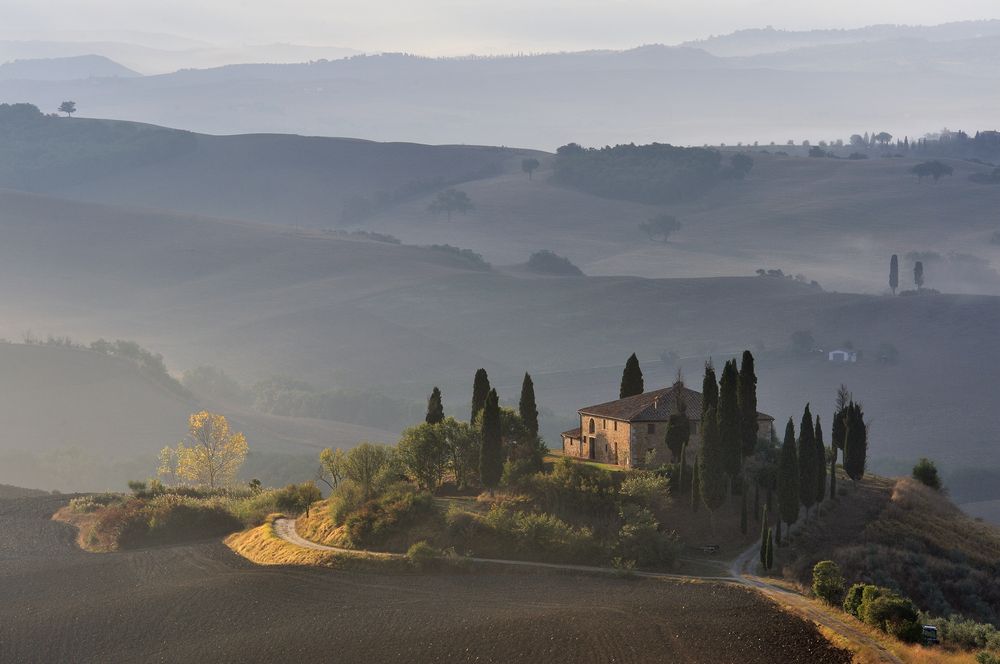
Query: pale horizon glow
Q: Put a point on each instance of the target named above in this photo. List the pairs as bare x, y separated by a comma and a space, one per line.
448, 27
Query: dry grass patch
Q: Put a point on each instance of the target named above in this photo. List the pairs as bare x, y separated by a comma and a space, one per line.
84, 522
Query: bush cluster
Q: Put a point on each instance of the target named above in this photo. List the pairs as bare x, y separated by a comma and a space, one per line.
885, 610
165, 518
377, 519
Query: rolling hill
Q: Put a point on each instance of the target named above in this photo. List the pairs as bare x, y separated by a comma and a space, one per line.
260, 301
64, 69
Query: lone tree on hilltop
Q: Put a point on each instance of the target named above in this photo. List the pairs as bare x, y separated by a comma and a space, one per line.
632, 382
480, 390
856, 442
529, 166
661, 227
68, 107
450, 201
788, 478
748, 404
918, 274
435, 408
527, 408
729, 422
934, 169
894, 273
807, 461
926, 473
491, 453
212, 454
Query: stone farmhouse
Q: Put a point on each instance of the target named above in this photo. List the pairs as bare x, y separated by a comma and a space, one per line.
626, 431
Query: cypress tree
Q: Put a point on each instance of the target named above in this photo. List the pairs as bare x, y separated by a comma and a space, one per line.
756, 500
769, 556
678, 425
709, 391
527, 407
918, 274
743, 513
711, 462
695, 486
748, 404
894, 273
820, 463
435, 409
856, 444
730, 436
777, 533
491, 452
681, 469
480, 390
788, 479
807, 461
632, 383
764, 530
833, 472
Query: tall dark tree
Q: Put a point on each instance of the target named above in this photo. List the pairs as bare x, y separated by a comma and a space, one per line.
856, 445
491, 452
820, 463
527, 407
788, 479
711, 464
729, 421
833, 472
709, 391
918, 274
480, 390
894, 273
807, 461
632, 383
769, 554
435, 408
678, 424
695, 486
748, 404
763, 537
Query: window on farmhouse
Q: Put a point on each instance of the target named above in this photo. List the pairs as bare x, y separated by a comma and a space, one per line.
592, 427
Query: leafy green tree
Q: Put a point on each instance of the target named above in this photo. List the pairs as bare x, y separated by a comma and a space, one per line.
934, 169
712, 464
491, 456
423, 454
807, 461
828, 582
660, 227
918, 274
894, 273
450, 201
68, 107
463, 443
729, 421
364, 464
632, 382
480, 390
527, 408
678, 425
748, 404
435, 408
926, 473
856, 442
529, 165
820, 463
788, 479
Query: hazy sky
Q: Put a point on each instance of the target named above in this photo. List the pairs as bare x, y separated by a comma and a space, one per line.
437, 27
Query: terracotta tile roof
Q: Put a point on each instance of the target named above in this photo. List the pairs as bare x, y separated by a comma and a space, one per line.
573, 433
655, 406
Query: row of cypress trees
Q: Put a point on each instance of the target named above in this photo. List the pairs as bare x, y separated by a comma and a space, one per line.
486, 401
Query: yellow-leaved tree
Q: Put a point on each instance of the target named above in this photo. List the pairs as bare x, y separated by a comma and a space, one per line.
211, 454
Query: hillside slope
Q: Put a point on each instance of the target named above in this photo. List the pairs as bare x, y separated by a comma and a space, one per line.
261, 301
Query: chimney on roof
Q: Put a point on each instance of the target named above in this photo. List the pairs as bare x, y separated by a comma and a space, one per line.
656, 403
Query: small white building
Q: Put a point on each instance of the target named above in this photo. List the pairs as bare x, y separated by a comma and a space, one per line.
842, 356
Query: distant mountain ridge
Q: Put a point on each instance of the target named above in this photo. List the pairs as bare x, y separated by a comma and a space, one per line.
65, 69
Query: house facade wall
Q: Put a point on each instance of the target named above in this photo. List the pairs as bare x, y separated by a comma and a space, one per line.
610, 440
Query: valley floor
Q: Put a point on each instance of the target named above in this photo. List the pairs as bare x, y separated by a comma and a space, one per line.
201, 602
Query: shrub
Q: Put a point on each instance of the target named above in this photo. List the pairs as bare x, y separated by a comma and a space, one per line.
640, 539
893, 615
167, 518
137, 487
538, 535
828, 582
986, 657
293, 499
964, 632
646, 489
377, 519
573, 489
852, 601
346, 498
421, 554
516, 472
926, 473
